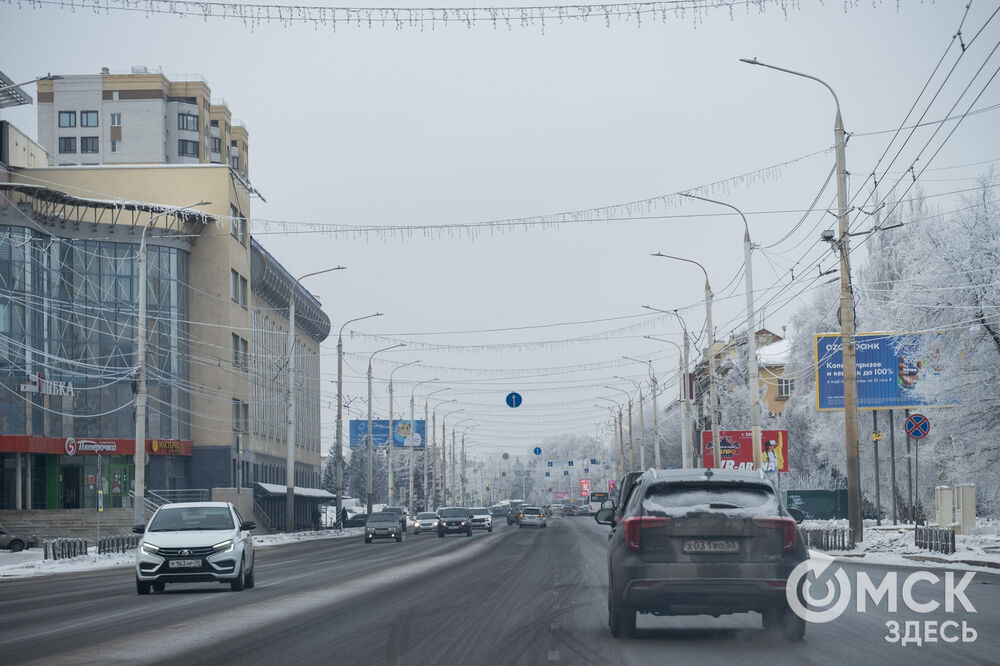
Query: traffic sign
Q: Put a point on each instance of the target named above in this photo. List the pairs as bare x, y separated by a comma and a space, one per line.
538, 451
506, 456
513, 399
877, 436
917, 426
548, 463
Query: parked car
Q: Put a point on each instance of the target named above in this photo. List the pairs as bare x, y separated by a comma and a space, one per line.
383, 525
195, 542
426, 521
454, 519
701, 542
533, 515
400, 513
481, 518
356, 519
15, 542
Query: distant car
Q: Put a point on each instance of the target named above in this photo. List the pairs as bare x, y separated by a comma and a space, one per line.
481, 518
426, 521
400, 512
15, 542
701, 542
499, 511
383, 525
356, 519
454, 520
195, 542
533, 515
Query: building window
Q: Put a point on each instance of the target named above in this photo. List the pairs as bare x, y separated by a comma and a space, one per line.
241, 412
116, 145
89, 144
187, 148
187, 121
116, 120
234, 286
234, 162
67, 119
243, 292
236, 350
88, 119
67, 144
241, 353
785, 387
216, 144
214, 123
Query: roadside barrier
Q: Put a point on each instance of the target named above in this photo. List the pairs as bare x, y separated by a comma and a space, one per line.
62, 549
940, 539
121, 543
837, 538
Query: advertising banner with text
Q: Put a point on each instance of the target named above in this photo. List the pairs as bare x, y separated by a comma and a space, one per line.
380, 432
737, 449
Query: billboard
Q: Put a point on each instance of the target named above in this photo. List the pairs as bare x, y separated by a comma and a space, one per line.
895, 370
380, 432
736, 451
585, 487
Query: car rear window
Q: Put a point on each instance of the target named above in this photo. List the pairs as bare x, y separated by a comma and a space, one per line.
532, 512
728, 498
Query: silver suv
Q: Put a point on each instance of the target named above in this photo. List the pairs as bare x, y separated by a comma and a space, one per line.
702, 542
195, 542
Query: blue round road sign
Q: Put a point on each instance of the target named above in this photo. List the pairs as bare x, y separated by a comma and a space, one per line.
538, 450
513, 399
917, 426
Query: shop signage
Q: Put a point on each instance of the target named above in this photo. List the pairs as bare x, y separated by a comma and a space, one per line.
74, 446
170, 446
38, 384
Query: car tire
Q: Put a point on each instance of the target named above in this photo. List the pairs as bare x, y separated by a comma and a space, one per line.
490, 529
159, 586
249, 581
783, 622
621, 620
367, 540
15, 546
141, 587
239, 583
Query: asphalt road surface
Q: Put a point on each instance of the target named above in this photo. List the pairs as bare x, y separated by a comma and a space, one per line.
516, 596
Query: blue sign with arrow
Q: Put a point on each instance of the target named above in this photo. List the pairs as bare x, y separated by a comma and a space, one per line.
513, 399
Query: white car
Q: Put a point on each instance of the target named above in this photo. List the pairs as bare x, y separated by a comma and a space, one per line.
481, 518
195, 542
426, 521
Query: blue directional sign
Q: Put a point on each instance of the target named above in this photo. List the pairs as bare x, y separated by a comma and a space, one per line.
917, 426
565, 472
548, 463
513, 399
548, 474
570, 463
538, 450
593, 461
586, 470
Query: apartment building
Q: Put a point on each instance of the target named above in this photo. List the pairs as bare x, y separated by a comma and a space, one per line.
139, 117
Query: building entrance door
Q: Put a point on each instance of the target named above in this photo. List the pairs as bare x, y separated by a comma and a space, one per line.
118, 486
72, 487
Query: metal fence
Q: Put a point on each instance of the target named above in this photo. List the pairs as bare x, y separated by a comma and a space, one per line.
121, 543
62, 549
940, 539
836, 538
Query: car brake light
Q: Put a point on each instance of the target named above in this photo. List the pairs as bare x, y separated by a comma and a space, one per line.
788, 529
635, 524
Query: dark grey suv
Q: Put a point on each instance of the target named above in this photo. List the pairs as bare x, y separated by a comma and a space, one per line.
694, 542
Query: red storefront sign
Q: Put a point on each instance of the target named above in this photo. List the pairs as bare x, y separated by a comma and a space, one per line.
736, 451
585, 487
85, 446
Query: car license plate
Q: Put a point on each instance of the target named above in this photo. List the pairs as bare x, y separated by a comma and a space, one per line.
185, 564
711, 546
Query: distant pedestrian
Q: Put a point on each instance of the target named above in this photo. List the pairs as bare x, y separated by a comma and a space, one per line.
341, 519
315, 518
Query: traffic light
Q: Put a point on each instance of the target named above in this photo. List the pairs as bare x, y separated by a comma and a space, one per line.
487, 486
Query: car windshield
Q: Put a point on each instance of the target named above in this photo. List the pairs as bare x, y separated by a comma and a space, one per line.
182, 519
454, 513
732, 499
383, 518
429, 515
480, 511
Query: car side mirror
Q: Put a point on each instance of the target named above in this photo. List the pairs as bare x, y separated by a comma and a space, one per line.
605, 517
248, 525
797, 515
139, 529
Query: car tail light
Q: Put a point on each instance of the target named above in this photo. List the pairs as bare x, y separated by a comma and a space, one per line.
635, 524
788, 529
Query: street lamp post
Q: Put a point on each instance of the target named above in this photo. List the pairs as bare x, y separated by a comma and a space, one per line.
753, 381
685, 404
621, 437
429, 447
392, 439
413, 437
371, 447
849, 352
628, 396
465, 470
339, 451
444, 453
642, 423
139, 459
656, 426
455, 479
716, 456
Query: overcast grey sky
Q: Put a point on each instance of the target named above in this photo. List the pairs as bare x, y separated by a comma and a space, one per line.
379, 128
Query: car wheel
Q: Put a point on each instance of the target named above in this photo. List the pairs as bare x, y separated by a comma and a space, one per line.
441, 534
490, 529
159, 587
15, 546
141, 587
784, 622
250, 581
237, 584
622, 620
367, 540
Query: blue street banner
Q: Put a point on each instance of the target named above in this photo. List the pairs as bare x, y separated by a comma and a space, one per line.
894, 370
380, 432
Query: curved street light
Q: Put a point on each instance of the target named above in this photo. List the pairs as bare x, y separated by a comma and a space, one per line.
429, 444
139, 457
656, 422
621, 436
413, 437
849, 353
642, 422
339, 451
716, 456
628, 396
444, 450
392, 435
371, 448
685, 400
